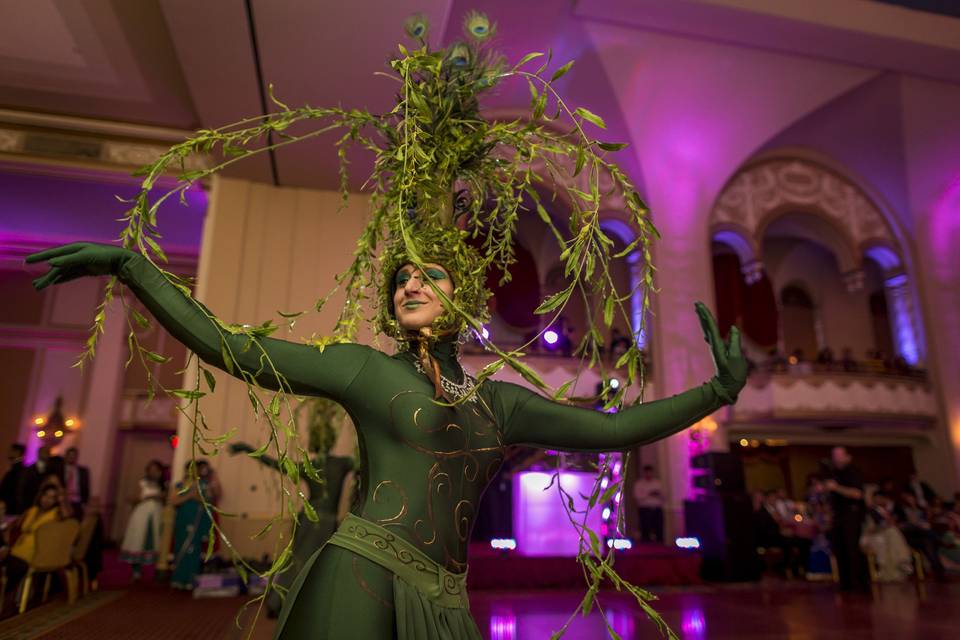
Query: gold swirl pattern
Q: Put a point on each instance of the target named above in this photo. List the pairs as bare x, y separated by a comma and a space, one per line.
404, 501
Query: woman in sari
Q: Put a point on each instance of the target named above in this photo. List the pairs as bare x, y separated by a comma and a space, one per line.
191, 527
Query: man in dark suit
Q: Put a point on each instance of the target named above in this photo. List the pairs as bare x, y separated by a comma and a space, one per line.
12, 485
76, 482
47, 466
845, 485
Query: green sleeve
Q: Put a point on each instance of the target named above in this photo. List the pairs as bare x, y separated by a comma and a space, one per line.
306, 370
527, 418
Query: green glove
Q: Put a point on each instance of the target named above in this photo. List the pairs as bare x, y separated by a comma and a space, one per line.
727, 357
72, 261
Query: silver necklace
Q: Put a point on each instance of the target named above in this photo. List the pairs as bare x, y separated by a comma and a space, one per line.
455, 390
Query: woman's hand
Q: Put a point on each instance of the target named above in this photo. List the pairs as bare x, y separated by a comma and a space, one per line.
727, 356
72, 261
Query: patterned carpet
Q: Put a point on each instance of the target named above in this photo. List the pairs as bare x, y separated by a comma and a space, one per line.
35, 622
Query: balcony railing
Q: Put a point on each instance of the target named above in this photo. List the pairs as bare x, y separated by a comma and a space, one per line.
836, 397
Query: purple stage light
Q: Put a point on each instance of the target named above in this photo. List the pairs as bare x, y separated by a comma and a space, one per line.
540, 523
551, 337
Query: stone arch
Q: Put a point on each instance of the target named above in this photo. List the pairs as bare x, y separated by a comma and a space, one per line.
839, 215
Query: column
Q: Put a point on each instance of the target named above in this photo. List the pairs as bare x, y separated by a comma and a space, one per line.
900, 306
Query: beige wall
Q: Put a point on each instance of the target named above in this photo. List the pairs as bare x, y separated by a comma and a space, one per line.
265, 249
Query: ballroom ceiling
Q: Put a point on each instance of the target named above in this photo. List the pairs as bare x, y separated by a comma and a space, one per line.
183, 64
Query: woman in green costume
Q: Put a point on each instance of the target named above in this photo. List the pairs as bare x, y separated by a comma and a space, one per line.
430, 436
397, 565
327, 498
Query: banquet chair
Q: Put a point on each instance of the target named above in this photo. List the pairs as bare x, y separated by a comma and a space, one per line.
53, 555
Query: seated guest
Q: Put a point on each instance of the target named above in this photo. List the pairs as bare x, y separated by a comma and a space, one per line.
50, 506
946, 525
920, 490
883, 539
915, 526
141, 541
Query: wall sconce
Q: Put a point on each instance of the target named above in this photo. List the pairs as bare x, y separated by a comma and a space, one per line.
52, 428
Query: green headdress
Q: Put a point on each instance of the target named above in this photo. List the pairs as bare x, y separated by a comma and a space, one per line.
446, 247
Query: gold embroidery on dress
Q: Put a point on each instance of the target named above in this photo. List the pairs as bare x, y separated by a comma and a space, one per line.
403, 498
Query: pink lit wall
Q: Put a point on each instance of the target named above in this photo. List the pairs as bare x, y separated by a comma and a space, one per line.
932, 141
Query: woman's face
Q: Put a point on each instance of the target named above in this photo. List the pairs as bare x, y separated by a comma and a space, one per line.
415, 304
48, 499
154, 472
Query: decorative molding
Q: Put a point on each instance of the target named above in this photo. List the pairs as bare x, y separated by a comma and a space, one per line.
83, 147
775, 185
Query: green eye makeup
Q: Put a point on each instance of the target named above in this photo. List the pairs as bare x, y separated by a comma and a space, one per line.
436, 274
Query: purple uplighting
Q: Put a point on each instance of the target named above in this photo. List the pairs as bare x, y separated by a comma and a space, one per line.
540, 523
551, 337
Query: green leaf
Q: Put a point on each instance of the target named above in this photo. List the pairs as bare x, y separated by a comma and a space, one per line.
559, 73
211, 381
294, 314
275, 404
554, 301
155, 248
608, 310
491, 369
211, 540
227, 359
310, 512
254, 401
581, 159
562, 390
612, 146
156, 357
290, 469
594, 542
610, 492
139, 318
260, 451
527, 58
590, 117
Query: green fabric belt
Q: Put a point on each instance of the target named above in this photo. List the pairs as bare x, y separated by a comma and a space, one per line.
405, 561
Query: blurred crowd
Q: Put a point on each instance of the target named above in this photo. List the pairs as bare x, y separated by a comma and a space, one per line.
50, 524
886, 532
875, 361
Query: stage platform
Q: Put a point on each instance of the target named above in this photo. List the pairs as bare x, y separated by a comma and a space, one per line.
643, 565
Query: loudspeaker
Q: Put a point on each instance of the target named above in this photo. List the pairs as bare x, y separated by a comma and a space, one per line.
722, 472
724, 526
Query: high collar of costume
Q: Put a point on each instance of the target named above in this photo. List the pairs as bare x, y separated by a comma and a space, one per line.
444, 351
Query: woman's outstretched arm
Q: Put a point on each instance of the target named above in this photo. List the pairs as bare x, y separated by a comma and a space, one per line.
302, 369
530, 419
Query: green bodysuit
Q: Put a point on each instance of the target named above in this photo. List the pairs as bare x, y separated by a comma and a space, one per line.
424, 467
